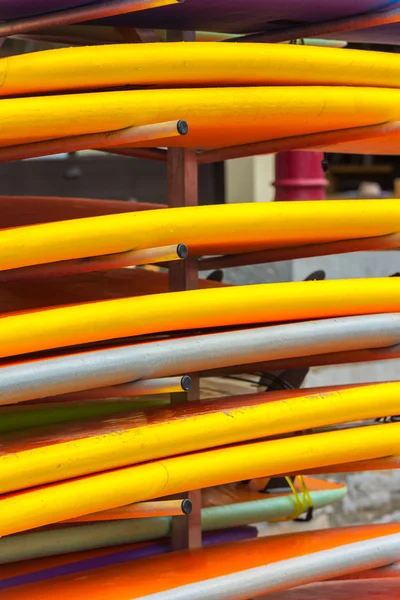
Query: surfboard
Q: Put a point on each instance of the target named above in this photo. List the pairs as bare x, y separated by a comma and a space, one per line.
22, 295
17, 211
49, 414
229, 14
380, 464
205, 64
61, 409
391, 571
86, 35
33, 458
12, 9
385, 144
241, 503
371, 590
232, 16
53, 561
206, 230
384, 34
179, 311
111, 533
75, 407
305, 557
59, 373
32, 571
95, 493
216, 117
257, 489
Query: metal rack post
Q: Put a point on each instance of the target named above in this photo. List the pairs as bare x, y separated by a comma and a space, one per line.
183, 191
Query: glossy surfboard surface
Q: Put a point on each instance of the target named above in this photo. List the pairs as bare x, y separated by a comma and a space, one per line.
62, 409
59, 372
208, 230
94, 493
187, 64
57, 453
140, 578
216, 117
59, 327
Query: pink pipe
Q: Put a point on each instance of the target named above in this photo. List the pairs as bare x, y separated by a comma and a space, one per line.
299, 176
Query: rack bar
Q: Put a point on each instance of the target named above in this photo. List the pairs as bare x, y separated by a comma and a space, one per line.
158, 508
99, 10
143, 387
299, 142
183, 191
108, 139
334, 26
120, 260
146, 153
384, 242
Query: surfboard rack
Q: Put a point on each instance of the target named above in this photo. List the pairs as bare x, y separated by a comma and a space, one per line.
108, 139
148, 256
142, 387
298, 142
182, 170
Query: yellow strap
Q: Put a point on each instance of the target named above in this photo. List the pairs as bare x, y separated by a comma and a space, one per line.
302, 500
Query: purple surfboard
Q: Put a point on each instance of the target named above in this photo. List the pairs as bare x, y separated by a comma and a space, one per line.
242, 16
13, 9
386, 34
238, 16
114, 558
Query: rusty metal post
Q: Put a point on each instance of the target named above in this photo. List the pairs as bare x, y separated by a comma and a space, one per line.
183, 191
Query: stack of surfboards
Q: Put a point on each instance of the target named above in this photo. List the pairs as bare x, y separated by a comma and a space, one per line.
76, 460
229, 95
87, 446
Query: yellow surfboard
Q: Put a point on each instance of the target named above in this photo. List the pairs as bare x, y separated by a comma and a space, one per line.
217, 229
62, 452
187, 64
217, 117
94, 493
126, 317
